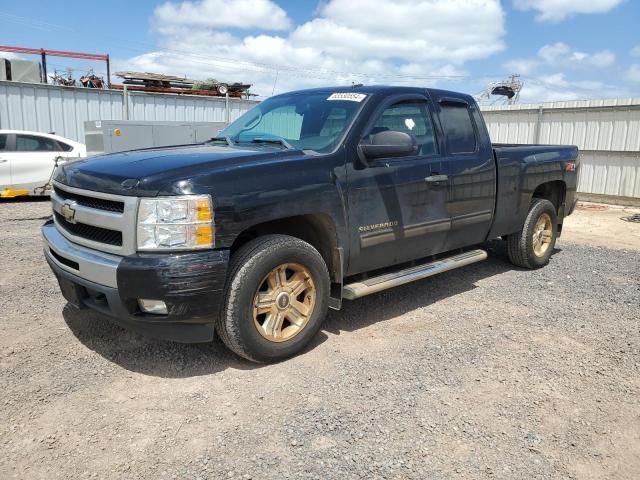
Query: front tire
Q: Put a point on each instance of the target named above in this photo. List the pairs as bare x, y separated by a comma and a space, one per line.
276, 300
532, 246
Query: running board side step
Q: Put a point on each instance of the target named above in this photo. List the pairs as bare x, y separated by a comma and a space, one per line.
355, 290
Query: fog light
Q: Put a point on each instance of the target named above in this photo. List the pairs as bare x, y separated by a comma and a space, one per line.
157, 307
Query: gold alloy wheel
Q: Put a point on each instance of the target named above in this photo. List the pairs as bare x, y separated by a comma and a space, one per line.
542, 235
284, 302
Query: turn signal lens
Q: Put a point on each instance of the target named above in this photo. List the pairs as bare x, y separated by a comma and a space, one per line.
203, 210
203, 235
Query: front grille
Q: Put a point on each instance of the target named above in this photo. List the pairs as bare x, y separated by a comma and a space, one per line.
91, 202
105, 222
90, 232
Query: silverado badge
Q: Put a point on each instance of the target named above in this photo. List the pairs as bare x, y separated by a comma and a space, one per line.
378, 226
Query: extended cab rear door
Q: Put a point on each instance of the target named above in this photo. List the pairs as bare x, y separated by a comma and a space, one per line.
469, 167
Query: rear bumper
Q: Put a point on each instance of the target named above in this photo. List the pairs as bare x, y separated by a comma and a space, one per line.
191, 284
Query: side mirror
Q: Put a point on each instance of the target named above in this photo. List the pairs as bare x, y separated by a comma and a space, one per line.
389, 143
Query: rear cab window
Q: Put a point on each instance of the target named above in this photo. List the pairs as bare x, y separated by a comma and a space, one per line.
4, 141
459, 129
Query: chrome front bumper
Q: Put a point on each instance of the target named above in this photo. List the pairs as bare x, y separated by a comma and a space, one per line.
191, 284
92, 265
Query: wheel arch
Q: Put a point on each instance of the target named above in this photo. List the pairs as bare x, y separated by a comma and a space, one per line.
317, 229
555, 191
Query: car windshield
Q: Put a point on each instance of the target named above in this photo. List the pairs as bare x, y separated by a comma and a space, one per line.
307, 121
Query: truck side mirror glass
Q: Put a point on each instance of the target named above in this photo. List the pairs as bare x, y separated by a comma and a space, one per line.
389, 143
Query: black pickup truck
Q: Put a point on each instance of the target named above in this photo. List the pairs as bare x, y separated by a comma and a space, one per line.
309, 198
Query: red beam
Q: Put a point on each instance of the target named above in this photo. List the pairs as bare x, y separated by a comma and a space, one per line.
34, 51
54, 53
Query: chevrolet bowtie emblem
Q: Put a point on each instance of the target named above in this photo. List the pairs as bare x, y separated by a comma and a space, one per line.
68, 212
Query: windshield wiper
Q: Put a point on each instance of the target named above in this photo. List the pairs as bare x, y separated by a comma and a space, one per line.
225, 138
273, 140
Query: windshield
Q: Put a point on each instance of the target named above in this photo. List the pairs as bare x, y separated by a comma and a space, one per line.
308, 121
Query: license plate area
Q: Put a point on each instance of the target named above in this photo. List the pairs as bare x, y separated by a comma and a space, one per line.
72, 292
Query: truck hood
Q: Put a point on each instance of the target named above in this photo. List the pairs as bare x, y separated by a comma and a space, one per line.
151, 171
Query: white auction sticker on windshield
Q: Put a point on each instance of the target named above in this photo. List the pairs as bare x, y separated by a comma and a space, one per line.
351, 97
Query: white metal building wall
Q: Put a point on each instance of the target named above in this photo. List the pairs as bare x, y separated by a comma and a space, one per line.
606, 131
63, 110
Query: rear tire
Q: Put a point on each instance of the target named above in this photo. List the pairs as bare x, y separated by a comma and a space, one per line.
276, 299
532, 246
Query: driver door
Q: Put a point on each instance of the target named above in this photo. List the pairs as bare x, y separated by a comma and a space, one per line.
397, 207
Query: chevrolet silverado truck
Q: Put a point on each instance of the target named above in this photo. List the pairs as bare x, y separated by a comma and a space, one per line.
309, 198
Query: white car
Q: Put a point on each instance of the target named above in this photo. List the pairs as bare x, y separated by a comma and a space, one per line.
27, 160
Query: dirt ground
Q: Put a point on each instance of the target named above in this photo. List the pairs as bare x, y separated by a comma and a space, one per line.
485, 372
606, 225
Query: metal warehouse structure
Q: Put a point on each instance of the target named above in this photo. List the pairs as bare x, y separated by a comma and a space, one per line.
607, 132
63, 110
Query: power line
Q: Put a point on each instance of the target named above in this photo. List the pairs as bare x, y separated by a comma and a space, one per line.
234, 63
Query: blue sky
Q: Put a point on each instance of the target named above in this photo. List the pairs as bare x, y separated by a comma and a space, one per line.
564, 49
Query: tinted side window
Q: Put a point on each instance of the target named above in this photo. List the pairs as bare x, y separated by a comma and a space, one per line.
458, 129
31, 143
3, 142
410, 117
64, 147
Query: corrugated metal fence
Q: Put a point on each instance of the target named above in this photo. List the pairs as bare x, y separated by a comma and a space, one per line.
606, 131
63, 110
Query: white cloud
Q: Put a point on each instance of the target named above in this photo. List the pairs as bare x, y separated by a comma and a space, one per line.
558, 10
416, 38
455, 31
632, 75
547, 74
556, 87
635, 51
561, 55
263, 14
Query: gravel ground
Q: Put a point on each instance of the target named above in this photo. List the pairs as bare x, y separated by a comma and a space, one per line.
484, 372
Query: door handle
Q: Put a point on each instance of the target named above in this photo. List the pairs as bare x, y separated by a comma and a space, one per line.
3, 160
436, 178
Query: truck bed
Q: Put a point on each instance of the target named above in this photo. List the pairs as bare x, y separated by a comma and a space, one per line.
521, 169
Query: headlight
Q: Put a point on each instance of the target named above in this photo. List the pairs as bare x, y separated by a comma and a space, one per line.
175, 223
